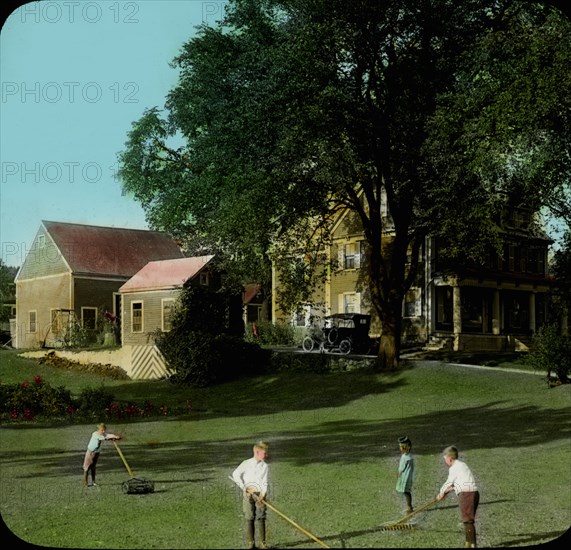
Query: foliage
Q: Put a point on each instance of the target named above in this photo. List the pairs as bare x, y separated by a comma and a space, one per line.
29, 399
562, 269
201, 359
52, 359
201, 348
272, 334
317, 363
33, 400
7, 289
551, 352
499, 136
286, 117
93, 403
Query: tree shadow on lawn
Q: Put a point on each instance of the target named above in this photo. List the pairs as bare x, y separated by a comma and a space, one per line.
532, 539
342, 442
268, 394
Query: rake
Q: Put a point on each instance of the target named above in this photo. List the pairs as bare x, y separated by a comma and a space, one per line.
400, 525
289, 520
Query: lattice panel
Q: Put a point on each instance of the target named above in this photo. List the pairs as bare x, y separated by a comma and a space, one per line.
147, 362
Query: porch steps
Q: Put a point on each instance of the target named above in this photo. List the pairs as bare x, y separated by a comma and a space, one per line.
438, 343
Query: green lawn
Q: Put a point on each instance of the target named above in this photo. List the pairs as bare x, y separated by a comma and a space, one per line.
334, 457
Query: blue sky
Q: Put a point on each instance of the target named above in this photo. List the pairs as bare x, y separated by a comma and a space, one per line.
74, 75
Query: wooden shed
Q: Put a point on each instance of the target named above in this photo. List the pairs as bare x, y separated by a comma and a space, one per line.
73, 272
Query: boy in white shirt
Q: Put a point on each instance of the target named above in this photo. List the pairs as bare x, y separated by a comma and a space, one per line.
252, 477
461, 481
92, 453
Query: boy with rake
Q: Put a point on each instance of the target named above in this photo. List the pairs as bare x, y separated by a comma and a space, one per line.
461, 481
252, 477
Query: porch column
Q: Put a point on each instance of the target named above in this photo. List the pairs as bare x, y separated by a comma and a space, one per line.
456, 316
532, 312
496, 321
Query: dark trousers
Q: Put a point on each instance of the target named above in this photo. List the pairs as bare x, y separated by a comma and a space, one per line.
468, 502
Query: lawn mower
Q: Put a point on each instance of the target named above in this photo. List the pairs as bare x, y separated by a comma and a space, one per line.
135, 485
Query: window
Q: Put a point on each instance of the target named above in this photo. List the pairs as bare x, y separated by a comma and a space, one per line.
137, 317
350, 302
351, 255
472, 309
167, 311
511, 257
88, 317
204, 278
444, 300
301, 316
536, 261
516, 310
41, 241
32, 319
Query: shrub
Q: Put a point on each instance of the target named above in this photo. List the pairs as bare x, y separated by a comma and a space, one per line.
202, 359
203, 346
29, 399
93, 403
551, 352
52, 359
317, 363
270, 334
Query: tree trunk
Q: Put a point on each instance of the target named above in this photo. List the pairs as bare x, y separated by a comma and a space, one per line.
389, 346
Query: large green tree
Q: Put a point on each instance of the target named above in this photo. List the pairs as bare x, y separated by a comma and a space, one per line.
290, 111
7, 289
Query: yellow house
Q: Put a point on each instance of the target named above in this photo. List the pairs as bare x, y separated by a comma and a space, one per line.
497, 306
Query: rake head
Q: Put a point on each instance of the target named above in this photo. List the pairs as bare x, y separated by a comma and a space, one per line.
397, 527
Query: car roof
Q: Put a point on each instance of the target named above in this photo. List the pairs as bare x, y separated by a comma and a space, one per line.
349, 316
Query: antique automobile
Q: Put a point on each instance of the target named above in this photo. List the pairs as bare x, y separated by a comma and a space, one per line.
342, 333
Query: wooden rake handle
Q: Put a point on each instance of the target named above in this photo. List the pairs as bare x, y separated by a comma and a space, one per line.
123, 459
419, 509
290, 521
298, 527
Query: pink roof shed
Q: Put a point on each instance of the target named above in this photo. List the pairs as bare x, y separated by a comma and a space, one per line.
166, 274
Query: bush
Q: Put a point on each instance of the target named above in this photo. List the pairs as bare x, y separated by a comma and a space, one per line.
551, 352
202, 359
94, 403
29, 399
203, 346
270, 334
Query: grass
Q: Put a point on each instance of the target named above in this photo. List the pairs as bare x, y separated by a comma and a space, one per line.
334, 458
507, 359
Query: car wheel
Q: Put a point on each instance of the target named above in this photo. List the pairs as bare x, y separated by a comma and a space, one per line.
308, 343
345, 346
332, 336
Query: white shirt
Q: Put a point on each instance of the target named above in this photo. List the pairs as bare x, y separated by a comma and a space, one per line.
460, 477
252, 473
97, 438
